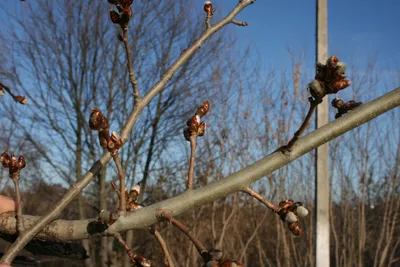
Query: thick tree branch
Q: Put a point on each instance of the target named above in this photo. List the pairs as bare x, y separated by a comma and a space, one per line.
97, 167
75, 230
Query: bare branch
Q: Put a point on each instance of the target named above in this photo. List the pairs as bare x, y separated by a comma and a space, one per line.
61, 229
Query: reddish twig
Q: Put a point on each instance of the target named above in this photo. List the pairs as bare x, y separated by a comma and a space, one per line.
136, 259
257, 196
313, 105
166, 214
192, 140
167, 256
239, 23
121, 176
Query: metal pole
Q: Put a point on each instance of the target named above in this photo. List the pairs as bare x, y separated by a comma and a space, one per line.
322, 156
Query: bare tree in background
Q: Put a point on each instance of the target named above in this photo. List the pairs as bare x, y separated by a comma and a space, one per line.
77, 62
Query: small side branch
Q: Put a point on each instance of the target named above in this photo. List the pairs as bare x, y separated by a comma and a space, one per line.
257, 196
239, 23
314, 102
191, 161
135, 259
132, 77
166, 214
121, 176
168, 262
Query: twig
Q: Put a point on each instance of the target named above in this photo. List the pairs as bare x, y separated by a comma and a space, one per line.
121, 176
135, 259
257, 196
20, 218
208, 22
239, 23
167, 256
313, 105
166, 214
99, 164
132, 77
191, 161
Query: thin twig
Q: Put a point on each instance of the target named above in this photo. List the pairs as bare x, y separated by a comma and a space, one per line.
239, 23
208, 22
191, 161
257, 196
132, 77
121, 176
130, 253
313, 105
199, 246
20, 218
167, 256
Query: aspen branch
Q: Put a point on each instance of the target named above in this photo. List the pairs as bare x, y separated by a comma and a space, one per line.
77, 187
239, 181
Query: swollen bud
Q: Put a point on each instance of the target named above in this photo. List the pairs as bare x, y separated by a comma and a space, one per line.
115, 18
203, 109
21, 162
5, 160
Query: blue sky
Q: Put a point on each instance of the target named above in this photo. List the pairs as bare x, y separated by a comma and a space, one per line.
357, 29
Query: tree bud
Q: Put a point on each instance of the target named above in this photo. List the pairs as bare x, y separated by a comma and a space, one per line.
21, 99
208, 8
21, 162
5, 160
115, 17
302, 211
187, 133
202, 129
294, 227
203, 109
13, 164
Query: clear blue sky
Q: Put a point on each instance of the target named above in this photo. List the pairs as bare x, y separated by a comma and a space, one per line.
357, 29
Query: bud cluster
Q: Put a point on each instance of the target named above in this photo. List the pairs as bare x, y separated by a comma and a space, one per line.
131, 197
124, 13
330, 78
289, 211
195, 126
13, 164
344, 107
99, 122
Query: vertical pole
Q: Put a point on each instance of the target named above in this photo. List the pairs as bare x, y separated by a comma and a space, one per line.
322, 156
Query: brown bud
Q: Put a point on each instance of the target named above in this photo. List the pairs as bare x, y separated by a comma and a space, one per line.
203, 109
194, 123
126, 3
208, 8
332, 61
187, 133
13, 164
116, 139
294, 227
286, 203
21, 162
21, 99
113, 2
337, 103
115, 17
97, 120
202, 129
142, 260
5, 160
104, 138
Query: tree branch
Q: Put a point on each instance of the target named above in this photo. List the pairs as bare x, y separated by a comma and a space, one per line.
76, 230
77, 187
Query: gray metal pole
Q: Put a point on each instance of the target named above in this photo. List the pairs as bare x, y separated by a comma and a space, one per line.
322, 156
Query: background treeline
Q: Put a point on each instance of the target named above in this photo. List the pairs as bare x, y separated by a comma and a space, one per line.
66, 58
